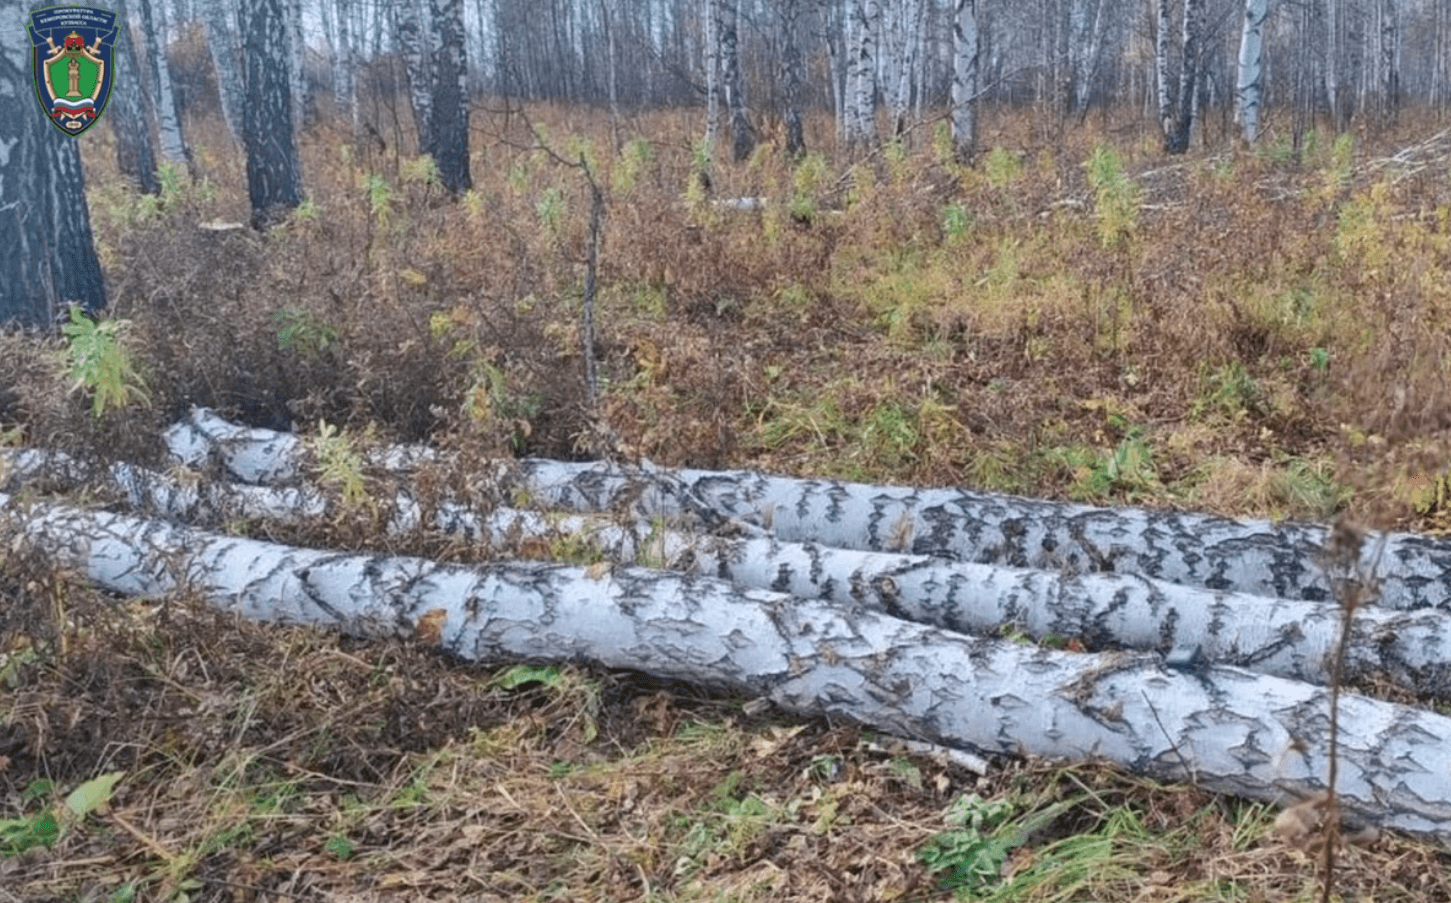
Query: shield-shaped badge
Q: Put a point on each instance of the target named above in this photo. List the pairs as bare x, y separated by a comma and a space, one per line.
71, 54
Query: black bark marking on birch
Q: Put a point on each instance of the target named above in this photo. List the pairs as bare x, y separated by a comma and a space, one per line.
1290, 636
784, 575
817, 568
1099, 561
890, 596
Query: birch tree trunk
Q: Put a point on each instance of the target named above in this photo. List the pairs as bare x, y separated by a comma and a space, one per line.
1388, 59
1230, 730
418, 66
1257, 558
792, 75
274, 178
1177, 140
1186, 625
1161, 66
345, 79
742, 141
1251, 68
965, 52
1086, 60
449, 105
1332, 61
712, 76
866, 15
297, 58
135, 154
222, 43
170, 129
607, 20
49, 254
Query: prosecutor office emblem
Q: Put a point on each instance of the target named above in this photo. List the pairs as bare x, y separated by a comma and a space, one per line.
71, 49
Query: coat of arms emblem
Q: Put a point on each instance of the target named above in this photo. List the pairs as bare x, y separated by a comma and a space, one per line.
71, 52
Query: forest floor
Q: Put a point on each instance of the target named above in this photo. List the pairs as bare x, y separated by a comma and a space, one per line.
1259, 333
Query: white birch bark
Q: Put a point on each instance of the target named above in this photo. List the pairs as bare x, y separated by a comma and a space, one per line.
1161, 66
345, 76
1388, 56
1085, 44
964, 78
1253, 557
297, 50
712, 75
1228, 729
413, 44
742, 141
1278, 637
1191, 36
1251, 68
223, 44
169, 126
866, 17
1332, 59
793, 75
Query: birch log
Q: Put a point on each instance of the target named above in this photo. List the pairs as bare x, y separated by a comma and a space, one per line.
1231, 730
1254, 557
1278, 637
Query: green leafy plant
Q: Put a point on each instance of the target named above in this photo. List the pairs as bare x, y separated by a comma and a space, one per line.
300, 331
807, 179
421, 169
955, 221
971, 856
380, 199
635, 157
1001, 167
44, 828
1116, 196
550, 208
96, 358
341, 465
519, 675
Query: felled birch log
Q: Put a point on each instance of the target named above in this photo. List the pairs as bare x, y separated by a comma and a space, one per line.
1229, 729
1280, 637
1255, 557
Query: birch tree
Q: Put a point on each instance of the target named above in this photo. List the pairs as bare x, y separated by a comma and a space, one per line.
1251, 68
345, 83
45, 225
1181, 124
449, 105
1332, 61
413, 44
274, 177
169, 128
793, 76
1227, 729
964, 78
129, 108
1085, 41
1387, 57
1187, 625
712, 75
297, 56
222, 44
1161, 66
862, 73
742, 140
